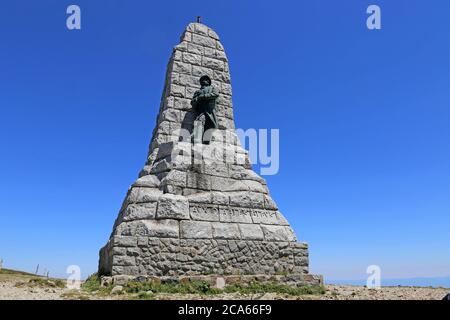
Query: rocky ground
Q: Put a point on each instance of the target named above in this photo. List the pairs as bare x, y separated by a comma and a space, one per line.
24, 287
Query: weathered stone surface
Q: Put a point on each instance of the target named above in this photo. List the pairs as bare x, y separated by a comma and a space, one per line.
198, 181
251, 232
281, 219
203, 41
277, 233
172, 206
202, 256
255, 186
153, 228
225, 231
201, 209
269, 203
142, 195
149, 181
193, 59
265, 216
140, 211
206, 212
235, 214
196, 230
201, 197
175, 178
220, 198
246, 199
124, 241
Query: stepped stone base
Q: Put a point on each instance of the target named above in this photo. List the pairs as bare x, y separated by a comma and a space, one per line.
208, 216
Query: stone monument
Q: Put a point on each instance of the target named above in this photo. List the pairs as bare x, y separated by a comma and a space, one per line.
197, 207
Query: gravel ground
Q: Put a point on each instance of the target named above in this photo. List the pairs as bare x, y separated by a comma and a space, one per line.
11, 289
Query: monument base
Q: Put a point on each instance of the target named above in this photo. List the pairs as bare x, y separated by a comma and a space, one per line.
154, 256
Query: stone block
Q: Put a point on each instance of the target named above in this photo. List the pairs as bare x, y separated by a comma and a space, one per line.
143, 195
198, 71
140, 211
203, 41
195, 230
214, 64
227, 184
281, 219
175, 178
220, 198
200, 197
277, 233
216, 169
219, 76
186, 36
123, 241
171, 114
235, 214
269, 203
190, 91
182, 67
189, 81
255, 186
198, 181
204, 212
193, 59
152, 228
201, 29
246, 199
149, 181
119, 251
182, 103
215, 54
265, 216
172, 206
195, 49
251, 231
225, 231
176, 91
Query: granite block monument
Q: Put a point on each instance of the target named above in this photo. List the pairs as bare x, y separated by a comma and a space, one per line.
197, 207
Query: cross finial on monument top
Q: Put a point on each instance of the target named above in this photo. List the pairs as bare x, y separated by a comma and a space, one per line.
199, 19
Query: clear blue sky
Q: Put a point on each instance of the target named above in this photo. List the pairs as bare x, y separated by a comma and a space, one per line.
364, 119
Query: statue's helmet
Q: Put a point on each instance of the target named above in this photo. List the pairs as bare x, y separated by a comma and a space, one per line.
205, 78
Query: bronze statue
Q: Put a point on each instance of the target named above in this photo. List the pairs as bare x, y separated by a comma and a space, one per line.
204, 103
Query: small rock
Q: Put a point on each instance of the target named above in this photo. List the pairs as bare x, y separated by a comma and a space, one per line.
117, 290
106, 281
220, 283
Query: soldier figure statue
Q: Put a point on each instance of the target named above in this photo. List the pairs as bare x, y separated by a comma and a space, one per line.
204, 103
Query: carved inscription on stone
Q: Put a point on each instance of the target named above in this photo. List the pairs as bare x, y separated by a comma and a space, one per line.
204, 212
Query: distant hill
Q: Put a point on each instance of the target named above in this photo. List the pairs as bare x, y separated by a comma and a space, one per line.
435, 282
9, 271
